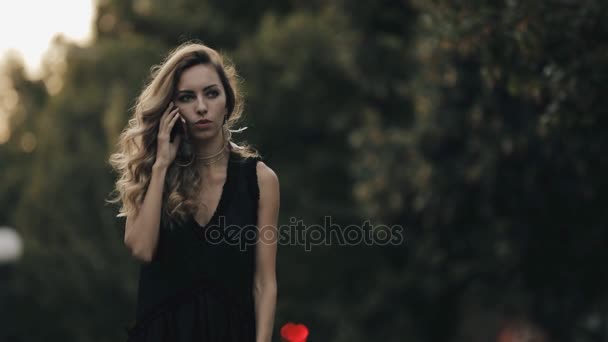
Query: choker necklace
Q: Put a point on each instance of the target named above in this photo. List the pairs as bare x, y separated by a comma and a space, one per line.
217, 156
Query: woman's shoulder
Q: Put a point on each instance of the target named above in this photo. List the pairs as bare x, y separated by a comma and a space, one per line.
267, 183
257, 164
255, 161
265, 173
258, 172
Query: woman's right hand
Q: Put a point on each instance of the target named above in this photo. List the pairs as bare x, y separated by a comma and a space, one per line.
165, 149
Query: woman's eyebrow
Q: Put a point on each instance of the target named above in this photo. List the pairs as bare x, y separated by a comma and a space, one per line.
190, 91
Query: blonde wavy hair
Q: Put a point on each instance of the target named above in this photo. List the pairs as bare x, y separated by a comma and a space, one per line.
136, 148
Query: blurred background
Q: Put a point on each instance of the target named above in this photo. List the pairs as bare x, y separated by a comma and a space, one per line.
478, 126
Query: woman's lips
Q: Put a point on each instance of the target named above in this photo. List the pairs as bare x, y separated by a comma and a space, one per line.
202, 125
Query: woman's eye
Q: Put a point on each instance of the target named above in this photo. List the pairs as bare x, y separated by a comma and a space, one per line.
185, 98
213, 93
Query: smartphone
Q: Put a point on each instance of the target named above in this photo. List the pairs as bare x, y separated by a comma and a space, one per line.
178, 128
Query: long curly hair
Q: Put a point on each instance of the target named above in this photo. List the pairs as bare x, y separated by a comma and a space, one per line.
136, 148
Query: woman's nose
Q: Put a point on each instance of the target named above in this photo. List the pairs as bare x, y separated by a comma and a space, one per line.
201, 107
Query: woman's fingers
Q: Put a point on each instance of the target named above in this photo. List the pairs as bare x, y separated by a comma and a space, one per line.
167, 149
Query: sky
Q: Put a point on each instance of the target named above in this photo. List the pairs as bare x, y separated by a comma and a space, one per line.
28, 26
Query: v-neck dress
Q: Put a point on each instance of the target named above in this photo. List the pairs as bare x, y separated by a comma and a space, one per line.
199, 284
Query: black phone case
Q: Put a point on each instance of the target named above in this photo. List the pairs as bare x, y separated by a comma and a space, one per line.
178, 128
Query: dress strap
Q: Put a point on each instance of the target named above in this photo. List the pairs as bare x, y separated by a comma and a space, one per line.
252, 177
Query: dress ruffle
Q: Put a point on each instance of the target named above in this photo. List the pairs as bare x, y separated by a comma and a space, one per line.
204, 312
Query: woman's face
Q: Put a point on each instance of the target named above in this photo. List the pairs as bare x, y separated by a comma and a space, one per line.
201, 96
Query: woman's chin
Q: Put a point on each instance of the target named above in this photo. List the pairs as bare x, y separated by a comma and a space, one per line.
204, 135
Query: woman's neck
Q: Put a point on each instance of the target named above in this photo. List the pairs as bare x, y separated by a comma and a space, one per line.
211, 168
207, 149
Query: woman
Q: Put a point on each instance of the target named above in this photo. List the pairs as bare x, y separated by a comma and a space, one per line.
201, 211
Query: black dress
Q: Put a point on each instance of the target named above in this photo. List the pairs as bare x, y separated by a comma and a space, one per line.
198, 286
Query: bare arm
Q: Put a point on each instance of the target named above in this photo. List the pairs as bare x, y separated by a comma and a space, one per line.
142, 231
265, 283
